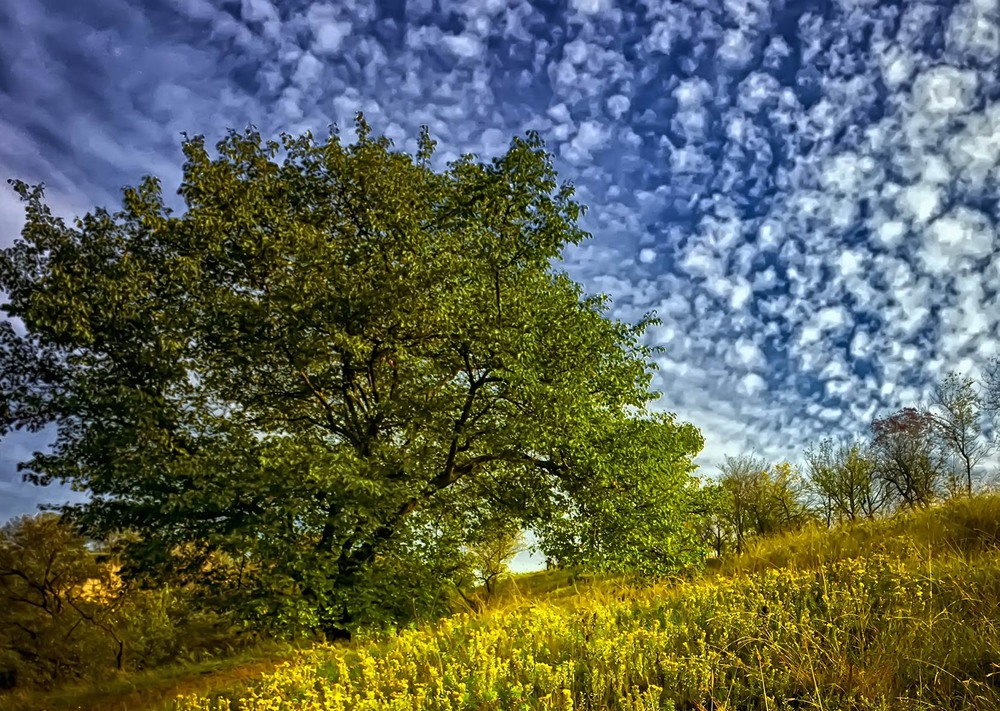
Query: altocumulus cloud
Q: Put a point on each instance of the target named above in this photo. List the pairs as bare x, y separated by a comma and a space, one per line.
806, 193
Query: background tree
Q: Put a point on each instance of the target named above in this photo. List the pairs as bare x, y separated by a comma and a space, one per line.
843, 478
909, 460
958, 419
326, 361
492, 550
713, 521
759, 499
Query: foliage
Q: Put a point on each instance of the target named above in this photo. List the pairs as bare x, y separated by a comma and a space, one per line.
68, 615
758, 499
844, 478
877, 631
493, 547
630, 502
325, 363
714, 518
55, 615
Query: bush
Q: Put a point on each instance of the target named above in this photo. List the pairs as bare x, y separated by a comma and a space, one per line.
54, 621
66, 614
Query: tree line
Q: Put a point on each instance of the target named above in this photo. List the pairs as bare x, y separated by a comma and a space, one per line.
908, 459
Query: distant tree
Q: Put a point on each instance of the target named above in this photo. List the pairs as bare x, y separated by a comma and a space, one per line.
330, 357
492, 550
958, 419
786, 492
843, 476
739, 479
908, 456
758, 499
713, 521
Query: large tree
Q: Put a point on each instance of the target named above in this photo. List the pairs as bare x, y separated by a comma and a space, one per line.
330, 364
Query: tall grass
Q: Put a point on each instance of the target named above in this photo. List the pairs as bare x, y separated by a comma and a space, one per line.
960, 527
897, 614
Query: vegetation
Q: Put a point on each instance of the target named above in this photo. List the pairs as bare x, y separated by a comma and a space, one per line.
896, 613
67, 615
304, 394
326, 402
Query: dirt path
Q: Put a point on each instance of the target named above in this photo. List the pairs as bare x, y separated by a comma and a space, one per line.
154, 694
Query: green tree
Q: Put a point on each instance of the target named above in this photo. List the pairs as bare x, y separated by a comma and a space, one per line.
492, 550
843, 476
714, 519
759, 499
326, 361
628, 500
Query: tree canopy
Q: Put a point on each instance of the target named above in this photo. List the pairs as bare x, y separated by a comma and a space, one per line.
330, 365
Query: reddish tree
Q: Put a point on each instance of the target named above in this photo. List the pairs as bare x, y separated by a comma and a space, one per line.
908, 458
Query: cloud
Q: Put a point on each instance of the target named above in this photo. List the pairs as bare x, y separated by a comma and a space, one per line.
590, 7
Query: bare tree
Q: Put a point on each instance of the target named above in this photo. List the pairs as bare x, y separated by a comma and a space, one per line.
958, 420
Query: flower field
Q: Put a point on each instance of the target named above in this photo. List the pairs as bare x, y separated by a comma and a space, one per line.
875, 631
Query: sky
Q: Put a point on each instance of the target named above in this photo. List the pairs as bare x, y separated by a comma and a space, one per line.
805, 193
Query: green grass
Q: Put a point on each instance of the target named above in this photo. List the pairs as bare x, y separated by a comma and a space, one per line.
895, 614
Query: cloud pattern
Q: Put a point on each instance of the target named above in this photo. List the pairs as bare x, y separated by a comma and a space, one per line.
805, 193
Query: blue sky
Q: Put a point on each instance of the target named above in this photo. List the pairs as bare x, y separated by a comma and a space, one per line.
806, 193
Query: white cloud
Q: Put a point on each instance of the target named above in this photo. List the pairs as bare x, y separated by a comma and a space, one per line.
618, 104
589, 137
748, 353
945, 90
329, 33
922, 201
308, 71
974, 33
959, 235
464, 45
752, 384
590, 7
897, 66
735, 49
740, 296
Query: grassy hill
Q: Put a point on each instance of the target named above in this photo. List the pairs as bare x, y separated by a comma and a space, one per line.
894, 614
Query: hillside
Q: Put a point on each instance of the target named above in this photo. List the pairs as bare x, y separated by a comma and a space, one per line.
900, 613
